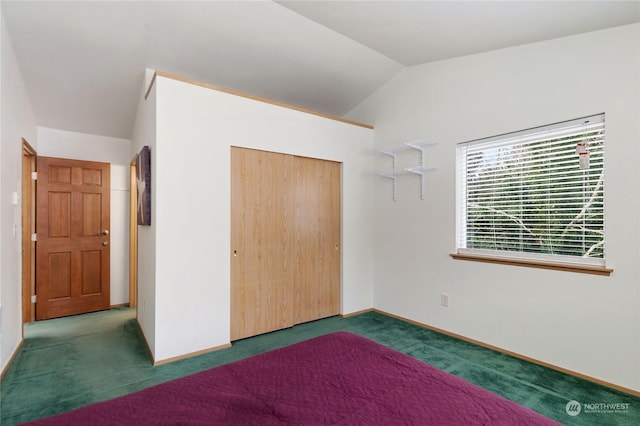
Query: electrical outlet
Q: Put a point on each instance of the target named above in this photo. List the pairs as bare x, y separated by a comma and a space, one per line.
444, 300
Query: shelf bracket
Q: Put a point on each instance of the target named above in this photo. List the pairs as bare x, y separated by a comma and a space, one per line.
390, 175
420, 145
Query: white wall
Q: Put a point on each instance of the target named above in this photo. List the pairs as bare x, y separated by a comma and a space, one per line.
144, 133
191, 202
17, 121
585, 323
80, 146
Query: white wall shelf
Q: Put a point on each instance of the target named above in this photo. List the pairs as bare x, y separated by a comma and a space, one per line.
420, 170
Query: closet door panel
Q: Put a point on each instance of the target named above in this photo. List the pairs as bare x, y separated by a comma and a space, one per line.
317, 239
261, 242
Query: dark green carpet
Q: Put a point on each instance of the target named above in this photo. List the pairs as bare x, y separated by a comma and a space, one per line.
70, 362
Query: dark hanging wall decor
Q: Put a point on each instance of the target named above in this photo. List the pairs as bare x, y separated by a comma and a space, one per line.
143, 181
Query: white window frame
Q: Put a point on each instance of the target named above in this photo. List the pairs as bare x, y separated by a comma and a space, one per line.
550, 132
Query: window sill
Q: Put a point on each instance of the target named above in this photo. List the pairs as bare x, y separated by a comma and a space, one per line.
567, 267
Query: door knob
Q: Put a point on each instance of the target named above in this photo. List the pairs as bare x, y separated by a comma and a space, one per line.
105, 232
105, 243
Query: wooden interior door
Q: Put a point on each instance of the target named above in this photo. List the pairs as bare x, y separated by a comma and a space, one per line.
72, 249
285, 236
317, 239
261, 241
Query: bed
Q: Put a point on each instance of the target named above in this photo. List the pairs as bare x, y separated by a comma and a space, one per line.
337, 379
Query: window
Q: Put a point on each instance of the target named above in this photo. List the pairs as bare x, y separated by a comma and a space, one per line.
536, 194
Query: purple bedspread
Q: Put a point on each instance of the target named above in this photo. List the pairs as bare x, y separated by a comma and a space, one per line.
337, 379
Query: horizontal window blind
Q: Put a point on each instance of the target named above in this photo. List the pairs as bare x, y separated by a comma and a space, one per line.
537, 193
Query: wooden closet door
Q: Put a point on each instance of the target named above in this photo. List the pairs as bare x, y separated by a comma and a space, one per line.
317, 239
261, 242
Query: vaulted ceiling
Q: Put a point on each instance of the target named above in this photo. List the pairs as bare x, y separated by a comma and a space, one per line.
83, 62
